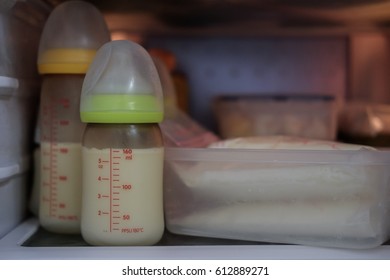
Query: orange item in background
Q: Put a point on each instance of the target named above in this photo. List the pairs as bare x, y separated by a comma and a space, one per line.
179, 78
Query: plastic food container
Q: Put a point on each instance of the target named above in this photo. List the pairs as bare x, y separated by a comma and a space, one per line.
328, 198
365, 123
304, 116
17, 110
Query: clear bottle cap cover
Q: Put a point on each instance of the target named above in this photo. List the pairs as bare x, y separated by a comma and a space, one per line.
73, 33
122, 85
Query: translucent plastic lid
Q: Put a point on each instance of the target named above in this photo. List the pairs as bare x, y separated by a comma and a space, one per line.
121, 86
71, 36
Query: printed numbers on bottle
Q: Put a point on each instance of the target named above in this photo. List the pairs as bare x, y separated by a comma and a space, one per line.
128, 153
126, 187
100, 163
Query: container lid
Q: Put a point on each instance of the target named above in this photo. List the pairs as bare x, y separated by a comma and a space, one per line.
71, 36
121, 86
8, 83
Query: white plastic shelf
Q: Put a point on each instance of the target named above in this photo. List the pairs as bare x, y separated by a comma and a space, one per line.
11, 249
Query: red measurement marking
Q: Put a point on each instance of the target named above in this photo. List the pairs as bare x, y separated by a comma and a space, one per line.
115, 151
115, 163
105, 213
116, 175
115, 192
105, 161
64, 150
64, 122
127, 151
115, 223
116, 169
115, 205
105, 178
64, 102
116, 180
116, 217
115, 199
111, 189
116, 187
117, 157
132, 230
116, 211
63, 178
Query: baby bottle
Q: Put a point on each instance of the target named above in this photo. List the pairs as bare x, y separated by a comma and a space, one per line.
71, 36
122, 149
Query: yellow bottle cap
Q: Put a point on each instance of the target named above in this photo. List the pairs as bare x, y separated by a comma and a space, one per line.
65, 61
73, 33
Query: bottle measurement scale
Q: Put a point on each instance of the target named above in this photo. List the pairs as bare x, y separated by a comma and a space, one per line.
110, 170
123, 205
58, 169
49, 159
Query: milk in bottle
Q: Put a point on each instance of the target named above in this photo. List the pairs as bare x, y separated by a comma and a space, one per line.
122, 149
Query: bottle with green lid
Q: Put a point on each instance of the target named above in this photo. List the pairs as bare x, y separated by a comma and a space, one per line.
122, 149
73, 33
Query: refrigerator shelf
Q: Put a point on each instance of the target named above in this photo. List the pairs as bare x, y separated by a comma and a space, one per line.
19, 245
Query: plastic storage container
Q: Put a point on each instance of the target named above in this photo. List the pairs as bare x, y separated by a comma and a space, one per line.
17, 111
365, 123
18, 107
332, 198
304, 116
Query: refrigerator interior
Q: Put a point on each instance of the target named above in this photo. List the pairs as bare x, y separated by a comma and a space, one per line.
332, 48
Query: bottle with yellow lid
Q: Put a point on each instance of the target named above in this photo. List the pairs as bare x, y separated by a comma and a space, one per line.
122, 150
72, 34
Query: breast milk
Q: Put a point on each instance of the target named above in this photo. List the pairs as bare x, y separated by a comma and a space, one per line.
129, 210
264, 181
280, 196
60, 192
